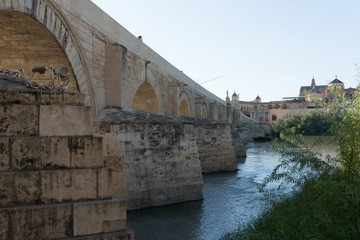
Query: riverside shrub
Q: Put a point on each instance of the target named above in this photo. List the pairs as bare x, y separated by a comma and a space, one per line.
325, 199
313, 123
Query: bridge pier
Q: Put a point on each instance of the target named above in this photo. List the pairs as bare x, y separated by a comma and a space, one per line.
164, 157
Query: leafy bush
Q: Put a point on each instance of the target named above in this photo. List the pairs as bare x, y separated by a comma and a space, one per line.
319, 211
313, 123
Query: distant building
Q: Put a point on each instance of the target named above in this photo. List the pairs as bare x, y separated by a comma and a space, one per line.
257, 99
314, 93
235, 100
305, 102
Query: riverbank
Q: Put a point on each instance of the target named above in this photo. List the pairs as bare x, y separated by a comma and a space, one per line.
319, 211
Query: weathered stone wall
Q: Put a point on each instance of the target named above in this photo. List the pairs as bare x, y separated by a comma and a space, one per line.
216, 150
243, 133
54, 182
159, 155
238, 141
164, 157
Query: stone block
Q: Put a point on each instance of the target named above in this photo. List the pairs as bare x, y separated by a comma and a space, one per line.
87, 152
114, 144
120, 235
19, 120
39, 153
105, 183
15, 97
101, 128
19, 188
112, 183
4, 154
42, 222
120, 128
64, 120
62, 99
119, 188
113, 69
68, 185
4, 225
116, 163
99, 217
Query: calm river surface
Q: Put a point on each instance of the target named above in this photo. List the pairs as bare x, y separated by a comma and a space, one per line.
229, 200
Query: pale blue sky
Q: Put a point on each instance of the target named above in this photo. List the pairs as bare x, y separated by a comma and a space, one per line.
265, 47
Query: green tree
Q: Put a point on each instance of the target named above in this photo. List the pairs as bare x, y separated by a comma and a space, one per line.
314, 123
346, 131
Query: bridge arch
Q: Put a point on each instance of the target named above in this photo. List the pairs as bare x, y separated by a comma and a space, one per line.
145, 99
145, 88
48, 14
185, 106
204, 111
216, 112
184, 109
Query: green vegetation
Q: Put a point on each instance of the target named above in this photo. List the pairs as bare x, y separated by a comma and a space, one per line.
324, 197
313, 123
318, 211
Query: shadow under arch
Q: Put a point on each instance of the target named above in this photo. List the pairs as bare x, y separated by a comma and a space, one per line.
145, 99
49, 14
184, 108
204, 113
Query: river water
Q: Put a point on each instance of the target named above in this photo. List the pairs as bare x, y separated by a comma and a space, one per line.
230, 199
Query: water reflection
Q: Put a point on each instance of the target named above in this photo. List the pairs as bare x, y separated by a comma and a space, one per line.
229, 200
179, 221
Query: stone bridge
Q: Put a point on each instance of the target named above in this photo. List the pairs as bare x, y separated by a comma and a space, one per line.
109, 65
132, 131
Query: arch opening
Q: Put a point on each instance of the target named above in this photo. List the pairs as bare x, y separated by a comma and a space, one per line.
145, 99
216, 117
204, 111
30, 44
184, 109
